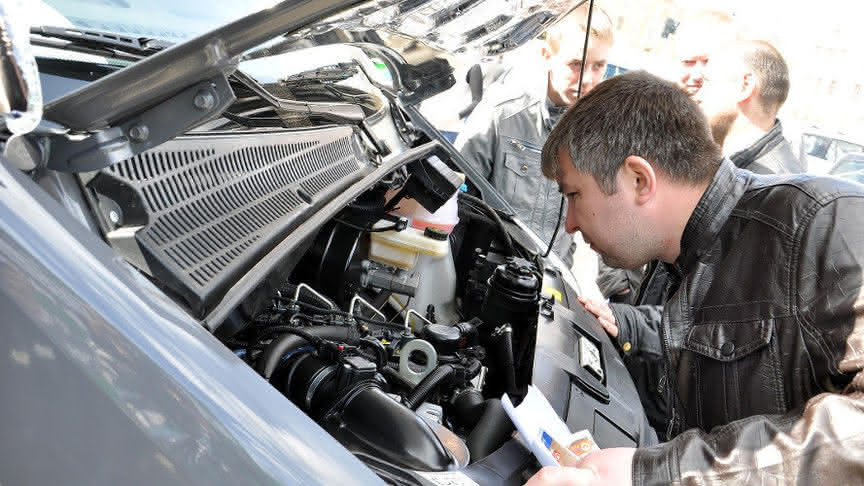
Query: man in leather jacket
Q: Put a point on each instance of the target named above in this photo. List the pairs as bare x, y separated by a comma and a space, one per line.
741, 92
762, 334
745, 86
503, 136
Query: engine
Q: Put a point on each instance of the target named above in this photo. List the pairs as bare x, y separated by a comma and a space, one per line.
399, 335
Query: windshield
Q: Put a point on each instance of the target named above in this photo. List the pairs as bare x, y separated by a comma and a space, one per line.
169, 20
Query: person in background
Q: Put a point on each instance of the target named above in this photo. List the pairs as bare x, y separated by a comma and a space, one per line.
504, 133
745, 86
763, 329
701, 33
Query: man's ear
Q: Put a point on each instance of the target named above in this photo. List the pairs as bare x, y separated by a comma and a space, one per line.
640, 178
749, 85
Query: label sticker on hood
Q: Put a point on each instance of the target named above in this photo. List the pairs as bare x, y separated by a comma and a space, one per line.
448, 478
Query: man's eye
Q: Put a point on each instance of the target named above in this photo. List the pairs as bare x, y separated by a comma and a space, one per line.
576, 64
599, 66
688, 63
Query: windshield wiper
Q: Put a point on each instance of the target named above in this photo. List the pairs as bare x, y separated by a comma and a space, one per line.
133, 47
337, 112
326, 74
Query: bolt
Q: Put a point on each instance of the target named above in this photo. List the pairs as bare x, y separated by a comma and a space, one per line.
114, 217
139, 133
204, 100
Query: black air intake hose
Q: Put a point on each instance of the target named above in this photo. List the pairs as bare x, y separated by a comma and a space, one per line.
491, 431
427, 386
468, 407
288, 342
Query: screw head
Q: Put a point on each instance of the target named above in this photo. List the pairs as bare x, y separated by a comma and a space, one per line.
114, 217
139, 132
204, 100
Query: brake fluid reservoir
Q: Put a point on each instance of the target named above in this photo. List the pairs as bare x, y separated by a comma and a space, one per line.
401, 248
437, 287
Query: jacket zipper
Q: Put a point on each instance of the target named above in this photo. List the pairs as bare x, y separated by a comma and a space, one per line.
666, 379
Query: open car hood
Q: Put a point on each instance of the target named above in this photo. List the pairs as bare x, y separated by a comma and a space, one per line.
486, 27
415, 30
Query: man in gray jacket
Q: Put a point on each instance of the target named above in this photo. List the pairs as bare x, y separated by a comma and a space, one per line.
762, 335
503, 136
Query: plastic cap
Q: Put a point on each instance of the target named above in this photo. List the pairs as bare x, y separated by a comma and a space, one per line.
435, 233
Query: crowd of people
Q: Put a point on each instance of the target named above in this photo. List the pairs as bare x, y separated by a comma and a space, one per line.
733, 280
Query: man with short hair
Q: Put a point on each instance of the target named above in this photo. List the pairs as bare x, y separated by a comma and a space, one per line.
745, 86
763, 332
503, 135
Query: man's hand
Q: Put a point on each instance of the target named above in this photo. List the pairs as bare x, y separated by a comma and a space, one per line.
612, 467
603, 313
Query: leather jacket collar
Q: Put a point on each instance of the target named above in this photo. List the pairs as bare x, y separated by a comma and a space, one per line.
710, 215
743, 158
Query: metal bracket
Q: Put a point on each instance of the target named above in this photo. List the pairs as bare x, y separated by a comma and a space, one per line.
150, 128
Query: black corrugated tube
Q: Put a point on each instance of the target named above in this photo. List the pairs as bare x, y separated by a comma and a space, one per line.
428, 385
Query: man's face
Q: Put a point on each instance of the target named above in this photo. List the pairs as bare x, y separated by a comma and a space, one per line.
564, 66
721, 92
608, 223
692, 74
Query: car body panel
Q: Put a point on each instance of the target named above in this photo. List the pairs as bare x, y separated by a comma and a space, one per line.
116, 384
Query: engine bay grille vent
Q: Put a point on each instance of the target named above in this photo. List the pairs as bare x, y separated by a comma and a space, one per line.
202, 209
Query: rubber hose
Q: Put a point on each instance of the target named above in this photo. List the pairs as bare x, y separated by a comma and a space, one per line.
394, 378
287, 342
508, 241
493, 429
380, 356
505, 351
428, 385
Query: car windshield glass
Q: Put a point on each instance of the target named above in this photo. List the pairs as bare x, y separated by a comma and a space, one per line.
158, 19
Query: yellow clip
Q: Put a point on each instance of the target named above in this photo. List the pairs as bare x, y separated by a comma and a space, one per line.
554, 293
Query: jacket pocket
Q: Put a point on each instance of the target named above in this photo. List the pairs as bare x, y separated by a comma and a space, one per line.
521, 180
731, 370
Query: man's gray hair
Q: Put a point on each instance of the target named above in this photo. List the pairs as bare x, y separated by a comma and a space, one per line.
634, 114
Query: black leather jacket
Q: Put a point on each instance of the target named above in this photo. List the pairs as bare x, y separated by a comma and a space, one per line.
763, 336
771, 154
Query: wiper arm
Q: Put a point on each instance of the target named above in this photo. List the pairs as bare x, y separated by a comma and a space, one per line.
98, 39
337, 112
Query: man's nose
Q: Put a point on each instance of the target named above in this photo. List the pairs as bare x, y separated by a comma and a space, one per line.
698, 72
570, 224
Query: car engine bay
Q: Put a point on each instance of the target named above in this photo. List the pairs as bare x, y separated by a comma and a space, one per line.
343, 252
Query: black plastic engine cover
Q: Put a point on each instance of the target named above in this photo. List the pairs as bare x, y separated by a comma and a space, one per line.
606, 403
